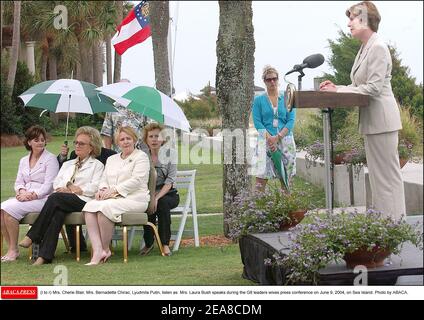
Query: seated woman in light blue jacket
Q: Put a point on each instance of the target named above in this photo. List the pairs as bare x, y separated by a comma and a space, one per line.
75, 184
275, 126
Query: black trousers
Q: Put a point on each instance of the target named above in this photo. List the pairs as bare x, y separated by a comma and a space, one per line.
45, 231
163, 215
70, 231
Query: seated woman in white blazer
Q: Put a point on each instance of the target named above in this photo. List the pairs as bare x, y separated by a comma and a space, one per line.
380, 121
75, 184
123, 188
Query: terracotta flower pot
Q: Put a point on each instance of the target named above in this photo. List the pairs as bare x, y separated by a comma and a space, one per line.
296, 217
402, 162
339, 158
370, 259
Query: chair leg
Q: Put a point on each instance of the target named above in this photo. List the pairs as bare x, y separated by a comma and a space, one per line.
125, 243
77, 242
131, 238
196, 229
194, 216
155, 230
65, 239
29, 249
180, 231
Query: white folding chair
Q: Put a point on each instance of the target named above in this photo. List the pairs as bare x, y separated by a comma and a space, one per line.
185, 180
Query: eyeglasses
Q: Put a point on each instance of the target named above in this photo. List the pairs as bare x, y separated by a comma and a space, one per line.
81, 144
271, 79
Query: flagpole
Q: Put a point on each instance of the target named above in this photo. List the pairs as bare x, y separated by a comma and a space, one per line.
67, 121
169, 40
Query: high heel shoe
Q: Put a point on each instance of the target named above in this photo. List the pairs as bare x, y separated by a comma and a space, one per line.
103, 259
7, 258
166, 251
26, 242
106, 257
39, 261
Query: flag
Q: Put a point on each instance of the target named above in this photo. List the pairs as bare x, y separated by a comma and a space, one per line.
134, 29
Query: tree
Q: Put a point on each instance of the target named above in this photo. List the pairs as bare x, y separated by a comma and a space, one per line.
159, 22
16, 38
1, 26
234, 82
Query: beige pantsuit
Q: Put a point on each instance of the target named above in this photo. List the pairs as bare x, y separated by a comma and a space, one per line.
380, 123
385, 192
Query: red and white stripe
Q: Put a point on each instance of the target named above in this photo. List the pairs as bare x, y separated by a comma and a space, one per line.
129, 33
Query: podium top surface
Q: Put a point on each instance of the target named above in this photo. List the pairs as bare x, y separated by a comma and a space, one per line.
325, 99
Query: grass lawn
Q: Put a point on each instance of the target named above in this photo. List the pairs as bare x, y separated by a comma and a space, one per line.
205, 265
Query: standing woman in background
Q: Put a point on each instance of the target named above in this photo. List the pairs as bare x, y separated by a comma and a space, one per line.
275, 123
380, 121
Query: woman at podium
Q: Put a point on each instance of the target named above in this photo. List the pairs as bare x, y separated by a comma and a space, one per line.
380, 121
275, 126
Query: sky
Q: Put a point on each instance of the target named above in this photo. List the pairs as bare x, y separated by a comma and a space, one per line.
285, 33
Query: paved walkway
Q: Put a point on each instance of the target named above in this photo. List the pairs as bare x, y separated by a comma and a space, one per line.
413, 172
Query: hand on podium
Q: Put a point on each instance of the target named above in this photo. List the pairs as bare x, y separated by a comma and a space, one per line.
327, 85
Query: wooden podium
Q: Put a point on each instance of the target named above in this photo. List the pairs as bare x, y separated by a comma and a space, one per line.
327, 101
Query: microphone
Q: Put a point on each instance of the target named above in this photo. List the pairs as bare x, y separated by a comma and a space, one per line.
313, 61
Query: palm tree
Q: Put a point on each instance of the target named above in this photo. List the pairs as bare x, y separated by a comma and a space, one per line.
234, 82
159, 22
15, 45
108, 20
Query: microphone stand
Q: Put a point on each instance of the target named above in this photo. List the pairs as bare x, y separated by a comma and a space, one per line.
299, 79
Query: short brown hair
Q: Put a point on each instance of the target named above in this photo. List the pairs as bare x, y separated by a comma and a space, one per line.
32, 133
129, 131
150, 127
95, 139
371, 12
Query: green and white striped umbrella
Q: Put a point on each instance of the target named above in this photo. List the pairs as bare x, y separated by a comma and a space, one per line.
147, 101
67, 95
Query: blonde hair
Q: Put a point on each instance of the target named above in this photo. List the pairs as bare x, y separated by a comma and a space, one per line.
129, 131
372, 15
267, 70
95, 139
150, 127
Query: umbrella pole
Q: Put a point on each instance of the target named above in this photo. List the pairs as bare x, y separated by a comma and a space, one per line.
67, 121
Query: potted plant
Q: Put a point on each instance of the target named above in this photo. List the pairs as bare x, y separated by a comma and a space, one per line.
405, 149
270, 211
334, 237
315, 151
